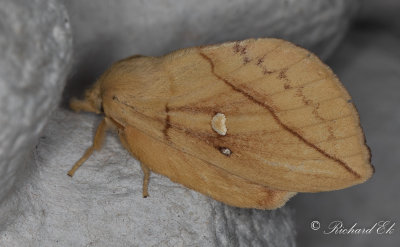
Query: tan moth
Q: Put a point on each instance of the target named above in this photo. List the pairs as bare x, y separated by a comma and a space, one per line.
248, 123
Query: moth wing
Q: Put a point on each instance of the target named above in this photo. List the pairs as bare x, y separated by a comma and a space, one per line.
290, 123
199, 174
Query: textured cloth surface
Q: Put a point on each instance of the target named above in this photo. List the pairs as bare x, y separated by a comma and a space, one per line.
36, 48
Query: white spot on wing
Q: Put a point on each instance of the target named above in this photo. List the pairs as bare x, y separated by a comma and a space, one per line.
225, 151
218, 123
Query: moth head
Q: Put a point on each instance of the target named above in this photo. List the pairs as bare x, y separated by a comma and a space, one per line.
92, 101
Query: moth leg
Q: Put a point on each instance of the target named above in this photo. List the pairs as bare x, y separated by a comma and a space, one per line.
97, 143
146, 178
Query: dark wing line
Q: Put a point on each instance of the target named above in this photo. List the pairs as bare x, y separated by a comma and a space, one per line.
305, 106
263, 57
284, 126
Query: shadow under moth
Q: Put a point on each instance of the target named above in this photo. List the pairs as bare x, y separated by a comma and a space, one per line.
248, 123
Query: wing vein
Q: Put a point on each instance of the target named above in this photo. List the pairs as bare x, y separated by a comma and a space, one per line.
284, 126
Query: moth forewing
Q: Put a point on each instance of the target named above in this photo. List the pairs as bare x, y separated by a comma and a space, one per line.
243, 122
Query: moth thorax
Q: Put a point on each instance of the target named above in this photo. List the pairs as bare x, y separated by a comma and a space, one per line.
218, 123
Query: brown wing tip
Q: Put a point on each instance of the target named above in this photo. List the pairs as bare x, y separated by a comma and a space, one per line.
369, 171
363, 175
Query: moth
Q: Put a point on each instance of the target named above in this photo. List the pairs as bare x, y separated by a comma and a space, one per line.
248, 123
